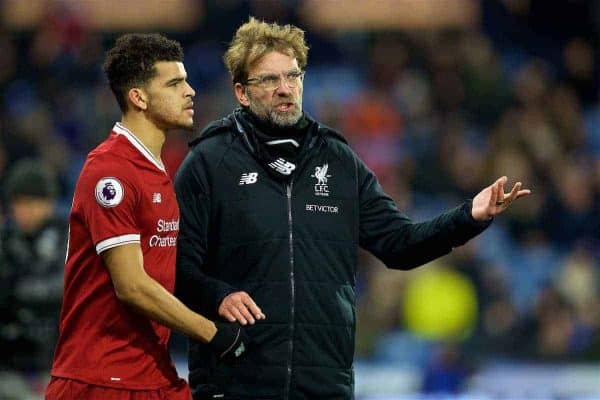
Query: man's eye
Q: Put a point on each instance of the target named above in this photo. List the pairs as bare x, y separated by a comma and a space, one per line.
270, 79
294, 75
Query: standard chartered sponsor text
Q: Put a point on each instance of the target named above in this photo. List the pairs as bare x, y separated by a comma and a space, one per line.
167, 226
162, 241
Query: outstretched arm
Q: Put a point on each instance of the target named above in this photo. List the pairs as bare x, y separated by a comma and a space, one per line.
402, 244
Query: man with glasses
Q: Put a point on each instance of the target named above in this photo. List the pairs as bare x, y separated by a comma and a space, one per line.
273, 208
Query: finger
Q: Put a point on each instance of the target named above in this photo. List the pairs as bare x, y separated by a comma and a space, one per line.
241, 307
524, 192
496, 197
501, 198
254, 309
227, 315
514, 191
238, 316
501, 183
506, 199
246, 313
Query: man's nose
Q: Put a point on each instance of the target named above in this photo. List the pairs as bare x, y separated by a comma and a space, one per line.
190, 91
283, 89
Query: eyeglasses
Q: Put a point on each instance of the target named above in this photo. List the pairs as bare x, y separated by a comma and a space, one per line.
272, 81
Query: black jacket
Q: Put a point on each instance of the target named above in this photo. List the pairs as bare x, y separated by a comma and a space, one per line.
293, 247
31, 285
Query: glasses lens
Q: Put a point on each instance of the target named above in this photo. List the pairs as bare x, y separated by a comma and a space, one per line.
272, 82
293, 79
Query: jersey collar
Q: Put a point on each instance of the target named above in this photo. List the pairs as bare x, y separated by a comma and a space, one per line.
119, 129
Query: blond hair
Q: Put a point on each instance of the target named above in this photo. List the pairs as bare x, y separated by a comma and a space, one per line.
255, 39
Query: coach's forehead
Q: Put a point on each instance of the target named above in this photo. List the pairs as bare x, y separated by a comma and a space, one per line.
274, 61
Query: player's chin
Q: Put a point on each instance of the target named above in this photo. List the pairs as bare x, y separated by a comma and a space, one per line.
186, 123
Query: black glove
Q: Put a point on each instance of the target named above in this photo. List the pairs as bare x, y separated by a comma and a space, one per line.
230, 341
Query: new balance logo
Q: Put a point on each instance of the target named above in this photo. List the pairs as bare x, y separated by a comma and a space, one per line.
156, 198
282, 166
249, 178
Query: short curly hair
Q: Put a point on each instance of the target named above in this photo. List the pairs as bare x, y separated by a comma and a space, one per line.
130, 63
256, 38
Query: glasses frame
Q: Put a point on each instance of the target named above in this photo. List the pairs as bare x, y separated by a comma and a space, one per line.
284, 77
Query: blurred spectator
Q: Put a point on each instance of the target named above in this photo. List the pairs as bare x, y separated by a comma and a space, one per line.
486, 93
572, 214
553, 324
582, 74
32, 250
578, 283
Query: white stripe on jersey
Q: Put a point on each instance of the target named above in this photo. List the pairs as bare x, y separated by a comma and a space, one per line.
117, 241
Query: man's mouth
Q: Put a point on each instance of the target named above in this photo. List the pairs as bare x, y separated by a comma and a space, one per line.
284, 107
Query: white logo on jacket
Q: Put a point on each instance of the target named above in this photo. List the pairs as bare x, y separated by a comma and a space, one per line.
321, 187
322, 208
249, 178
282, 166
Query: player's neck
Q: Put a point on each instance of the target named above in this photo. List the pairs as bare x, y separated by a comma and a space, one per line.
151, 136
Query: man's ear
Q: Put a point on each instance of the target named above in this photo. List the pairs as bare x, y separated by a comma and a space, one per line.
241, 95
138, 98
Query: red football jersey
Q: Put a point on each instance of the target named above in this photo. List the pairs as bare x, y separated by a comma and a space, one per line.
123, 195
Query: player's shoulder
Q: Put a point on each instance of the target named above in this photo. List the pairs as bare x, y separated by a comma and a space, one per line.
107, 176
109, 159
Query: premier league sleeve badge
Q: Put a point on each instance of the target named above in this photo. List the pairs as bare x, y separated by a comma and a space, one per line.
109, 192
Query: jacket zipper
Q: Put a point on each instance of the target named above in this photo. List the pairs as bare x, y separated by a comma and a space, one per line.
292, 292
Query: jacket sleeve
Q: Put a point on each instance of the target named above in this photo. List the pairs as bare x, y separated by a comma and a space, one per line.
397, 241
194, 287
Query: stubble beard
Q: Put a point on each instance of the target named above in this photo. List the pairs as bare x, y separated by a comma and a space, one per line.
169, 121
170, 125
274, 117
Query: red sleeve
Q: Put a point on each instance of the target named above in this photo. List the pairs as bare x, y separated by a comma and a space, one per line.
109, 199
